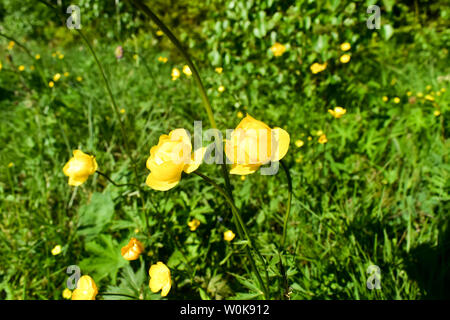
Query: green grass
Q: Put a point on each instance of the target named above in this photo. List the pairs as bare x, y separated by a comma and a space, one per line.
375, 194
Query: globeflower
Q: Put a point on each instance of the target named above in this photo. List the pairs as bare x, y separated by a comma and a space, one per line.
132, 250
86, 289
317, 67
228, 235
187, 71
80, 167
169, 158
345, 46
175, 74
278, 49
337, 112
193, 224
253, 144
344, 58
160, 278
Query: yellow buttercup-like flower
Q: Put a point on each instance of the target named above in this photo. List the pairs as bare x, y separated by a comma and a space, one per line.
385, 99
187, 71
437, 113
345, 46
160, 278
253, 144
240, 114
429, 97
228, 235
86, 289
162, 59
175, 74
193, 224
323, 139
67, 294
11, 45
344, 58
159, 33
79, 79
278, 49
56, 250
221, 89
219, 70
132, 250
61, 56
21, 68
170, 157
317, 67
51, 84
80, 167
337, 112
56, 77
396, 100
299, 143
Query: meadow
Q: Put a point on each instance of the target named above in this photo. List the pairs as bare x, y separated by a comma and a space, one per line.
357, 210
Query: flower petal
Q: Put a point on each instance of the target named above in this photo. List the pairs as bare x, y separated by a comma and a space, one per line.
282, 143
242, 170
196, 160
159, 185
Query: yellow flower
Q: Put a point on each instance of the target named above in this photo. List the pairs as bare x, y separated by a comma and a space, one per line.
175, 74
132, 250
170, 158
56, 250
429, 97
309, 138
1, 66
122, 110
61, 56
419, 94
242, 178
278, 49
11, 45
240, 114
51, 84
221, 89
318, 133
428, 87
438, 93
396, 100
193, 224
10, 165
21, 68
299, 143
159, 33
187, 71
317, 67
437, 113
337, 112
56, 77
80, 167
79, 79
219, 70
345, 58
409, 93
66, 74
443, 89
86, 289
136, 230
385, 99
67, 294
345, 46
38, 56
253, 144
160, 278
162, 59
323, 139
228, 235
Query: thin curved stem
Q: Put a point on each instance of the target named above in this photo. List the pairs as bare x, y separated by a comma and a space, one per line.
197, 78
288, 207
117, 294
241, 228
114, 183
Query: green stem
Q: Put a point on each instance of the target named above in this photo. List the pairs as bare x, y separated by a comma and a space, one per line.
241, 228
196, 76
288, 208
117, 294
114, 183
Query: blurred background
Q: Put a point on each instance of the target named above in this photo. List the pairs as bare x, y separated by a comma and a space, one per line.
370, 186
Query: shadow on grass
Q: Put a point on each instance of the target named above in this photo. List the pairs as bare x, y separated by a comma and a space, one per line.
429, 265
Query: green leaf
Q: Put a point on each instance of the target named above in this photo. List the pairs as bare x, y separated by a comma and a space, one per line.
94, 216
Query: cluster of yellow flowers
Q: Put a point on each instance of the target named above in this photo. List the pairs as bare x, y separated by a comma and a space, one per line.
345, 58
176, 72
